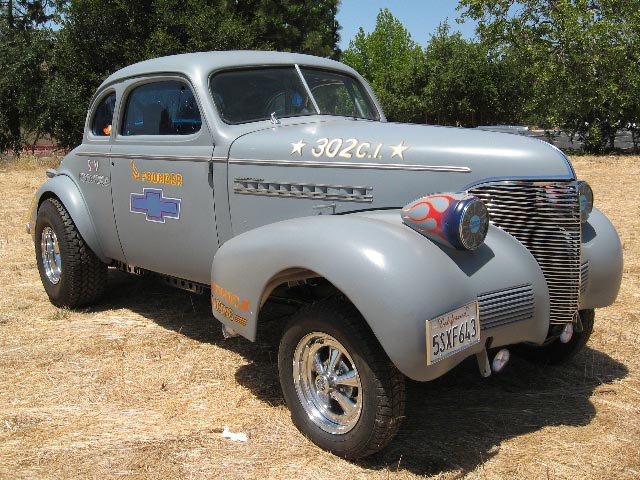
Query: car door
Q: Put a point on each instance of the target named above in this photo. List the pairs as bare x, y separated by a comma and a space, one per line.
92, 170
162, 180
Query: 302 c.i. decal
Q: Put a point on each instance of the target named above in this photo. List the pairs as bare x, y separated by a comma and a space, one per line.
349, 148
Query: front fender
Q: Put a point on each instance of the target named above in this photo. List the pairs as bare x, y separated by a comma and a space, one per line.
69, 194
394, 276
602, 262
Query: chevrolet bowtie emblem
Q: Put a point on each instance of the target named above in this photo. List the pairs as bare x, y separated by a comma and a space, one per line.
154, 205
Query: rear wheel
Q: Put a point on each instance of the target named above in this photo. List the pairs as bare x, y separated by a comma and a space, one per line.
557, 352
71, 273
343, 391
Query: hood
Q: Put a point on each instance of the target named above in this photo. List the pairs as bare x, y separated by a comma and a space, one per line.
370, 145
382, 164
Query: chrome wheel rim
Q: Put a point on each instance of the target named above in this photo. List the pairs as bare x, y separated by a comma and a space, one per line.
327, 383
50, 255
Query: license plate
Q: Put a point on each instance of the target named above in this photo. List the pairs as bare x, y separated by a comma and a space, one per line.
452, 332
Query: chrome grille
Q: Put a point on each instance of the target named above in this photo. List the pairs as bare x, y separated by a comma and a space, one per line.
545, 218
584, 278
503, 307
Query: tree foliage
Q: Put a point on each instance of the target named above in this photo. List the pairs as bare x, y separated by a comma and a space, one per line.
452, 81
294, 25
569, 64
580, 57
467, 85
25, 40
58, 70
393, 63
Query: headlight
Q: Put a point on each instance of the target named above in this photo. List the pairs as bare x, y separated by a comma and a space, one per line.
458, 220
585, 197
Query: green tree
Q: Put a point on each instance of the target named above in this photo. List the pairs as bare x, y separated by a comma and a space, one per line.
577, 55
394, 66
99, 37
25, 42
467, 86
294, 25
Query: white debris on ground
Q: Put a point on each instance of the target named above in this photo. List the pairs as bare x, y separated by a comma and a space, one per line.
236, 437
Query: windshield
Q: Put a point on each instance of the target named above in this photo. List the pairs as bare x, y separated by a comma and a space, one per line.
252, 94
339, 94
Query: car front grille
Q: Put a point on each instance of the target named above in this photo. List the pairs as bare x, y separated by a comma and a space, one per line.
545, 218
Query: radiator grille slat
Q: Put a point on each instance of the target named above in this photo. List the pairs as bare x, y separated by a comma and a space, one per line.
584, 277
545, 218
504, 307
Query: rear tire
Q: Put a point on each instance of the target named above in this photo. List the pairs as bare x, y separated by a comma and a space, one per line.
344, 393
72, 275
557, 352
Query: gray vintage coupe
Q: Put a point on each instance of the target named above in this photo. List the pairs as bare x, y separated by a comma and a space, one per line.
408, 248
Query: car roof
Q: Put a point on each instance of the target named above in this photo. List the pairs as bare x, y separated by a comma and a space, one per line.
202, 63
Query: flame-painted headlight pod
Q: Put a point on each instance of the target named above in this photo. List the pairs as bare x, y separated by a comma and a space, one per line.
585, 198
458, 220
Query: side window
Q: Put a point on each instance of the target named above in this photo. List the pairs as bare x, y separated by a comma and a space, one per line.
103, 116
161, 108
249, 95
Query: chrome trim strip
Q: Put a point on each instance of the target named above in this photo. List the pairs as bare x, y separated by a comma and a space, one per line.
92, 154
377, 166
299, 184
135, 156
516, 179
313, 195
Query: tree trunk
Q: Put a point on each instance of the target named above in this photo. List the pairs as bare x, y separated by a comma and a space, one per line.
13, 120
10, 14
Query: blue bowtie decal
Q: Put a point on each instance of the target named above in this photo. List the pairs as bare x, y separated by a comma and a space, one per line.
152, 203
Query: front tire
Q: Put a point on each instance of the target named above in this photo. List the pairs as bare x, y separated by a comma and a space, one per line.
343, 391
72, 275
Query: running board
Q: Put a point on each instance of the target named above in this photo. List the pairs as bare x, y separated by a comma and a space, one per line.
180, 283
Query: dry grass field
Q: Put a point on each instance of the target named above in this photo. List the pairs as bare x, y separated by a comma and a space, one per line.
142, 385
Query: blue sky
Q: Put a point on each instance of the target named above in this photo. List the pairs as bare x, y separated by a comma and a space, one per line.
419, 17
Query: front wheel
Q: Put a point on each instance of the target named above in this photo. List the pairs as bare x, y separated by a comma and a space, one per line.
556, 352
343, 391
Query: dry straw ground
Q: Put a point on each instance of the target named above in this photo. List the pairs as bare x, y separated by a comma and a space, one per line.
142, 385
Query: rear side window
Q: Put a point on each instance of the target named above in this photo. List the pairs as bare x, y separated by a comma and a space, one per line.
103, 116
161, 108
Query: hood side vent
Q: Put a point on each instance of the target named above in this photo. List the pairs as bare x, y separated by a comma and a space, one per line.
503, 307
345, 193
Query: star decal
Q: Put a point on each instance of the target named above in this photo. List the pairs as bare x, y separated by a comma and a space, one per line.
297, 147
398, 150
